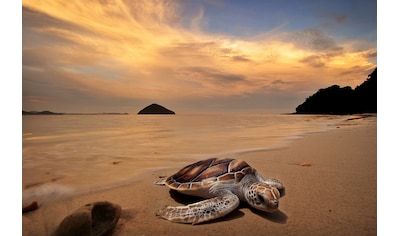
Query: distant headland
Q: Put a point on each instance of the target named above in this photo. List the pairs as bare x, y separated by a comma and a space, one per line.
345, 100
40, 113
57, 113
155, 109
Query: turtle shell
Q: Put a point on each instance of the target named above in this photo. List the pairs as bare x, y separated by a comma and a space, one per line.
203, 174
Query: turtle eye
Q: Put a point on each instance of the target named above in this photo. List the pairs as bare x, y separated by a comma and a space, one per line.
261, 199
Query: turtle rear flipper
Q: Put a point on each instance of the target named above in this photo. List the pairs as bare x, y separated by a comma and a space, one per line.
202, 211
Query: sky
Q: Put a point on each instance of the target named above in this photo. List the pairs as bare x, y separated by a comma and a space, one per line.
204, 56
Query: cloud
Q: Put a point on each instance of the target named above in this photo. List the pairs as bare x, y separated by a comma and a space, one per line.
370, 54
240, 59
279, 81
128, 51
216, 3
197, 23
216, 76
340, 18
313, 39
314, 61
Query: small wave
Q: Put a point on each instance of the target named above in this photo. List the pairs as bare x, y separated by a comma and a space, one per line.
46, 193
42, 137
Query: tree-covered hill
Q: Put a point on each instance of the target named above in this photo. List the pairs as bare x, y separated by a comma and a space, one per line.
345, 100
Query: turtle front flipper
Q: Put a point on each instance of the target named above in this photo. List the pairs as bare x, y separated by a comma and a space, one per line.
202, 211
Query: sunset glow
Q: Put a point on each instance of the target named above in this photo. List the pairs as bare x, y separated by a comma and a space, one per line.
191, 56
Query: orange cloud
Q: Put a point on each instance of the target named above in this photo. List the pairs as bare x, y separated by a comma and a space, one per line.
139, 49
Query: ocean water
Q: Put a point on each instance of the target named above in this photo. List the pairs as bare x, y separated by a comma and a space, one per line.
61, 152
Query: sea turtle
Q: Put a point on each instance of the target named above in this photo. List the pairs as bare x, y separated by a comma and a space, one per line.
223, 183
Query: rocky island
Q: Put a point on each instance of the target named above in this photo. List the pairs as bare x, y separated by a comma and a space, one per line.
155, 109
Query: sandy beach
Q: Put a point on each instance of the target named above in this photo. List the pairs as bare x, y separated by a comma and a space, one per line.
333, 193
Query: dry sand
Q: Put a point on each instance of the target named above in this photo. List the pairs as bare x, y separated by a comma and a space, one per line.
335, 195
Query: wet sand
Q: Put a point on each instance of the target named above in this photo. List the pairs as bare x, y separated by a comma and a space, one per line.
333, 192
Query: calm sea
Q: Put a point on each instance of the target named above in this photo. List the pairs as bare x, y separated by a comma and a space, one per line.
87, 151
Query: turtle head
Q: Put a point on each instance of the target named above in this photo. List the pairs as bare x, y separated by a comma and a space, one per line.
263, 197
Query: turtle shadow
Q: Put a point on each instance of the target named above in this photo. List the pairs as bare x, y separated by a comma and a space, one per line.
231, 216
276, 217
182, 198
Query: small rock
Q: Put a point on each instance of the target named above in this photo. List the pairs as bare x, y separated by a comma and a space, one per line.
31, 207
93, 219
305, 164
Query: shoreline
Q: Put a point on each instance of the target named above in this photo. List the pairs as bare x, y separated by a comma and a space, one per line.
122, 174
335, 194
